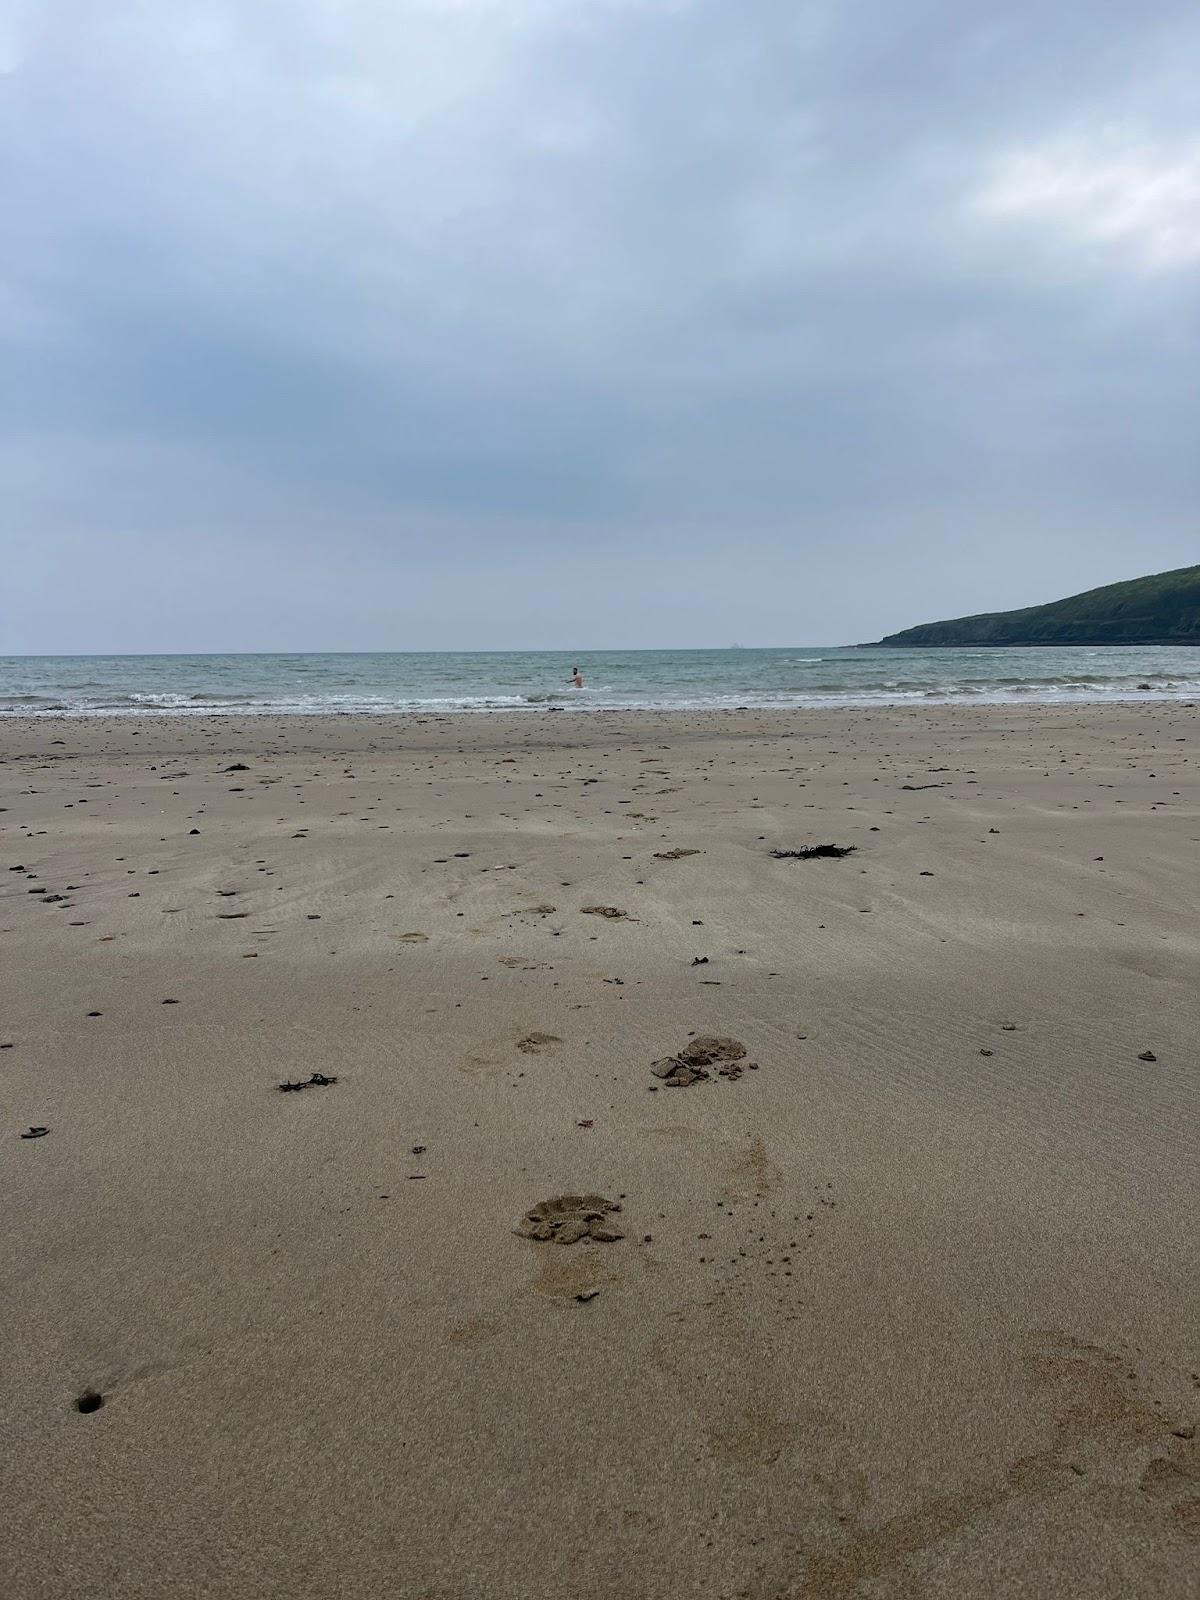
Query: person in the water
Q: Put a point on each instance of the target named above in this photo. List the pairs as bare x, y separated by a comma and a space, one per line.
576, 678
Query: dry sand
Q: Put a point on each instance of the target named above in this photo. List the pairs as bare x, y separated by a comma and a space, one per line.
905, 1308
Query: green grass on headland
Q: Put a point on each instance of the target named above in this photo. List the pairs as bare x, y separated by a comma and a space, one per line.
1161, 609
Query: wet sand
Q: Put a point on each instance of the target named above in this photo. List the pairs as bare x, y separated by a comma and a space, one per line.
898, 1298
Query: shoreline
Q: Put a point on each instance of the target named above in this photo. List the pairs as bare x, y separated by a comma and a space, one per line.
1185, 700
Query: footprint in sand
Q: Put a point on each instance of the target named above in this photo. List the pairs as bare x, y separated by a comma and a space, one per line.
480, 1066
751, 1174
573, 1274
568, 1218
536, 1044
705, 1050
729, 1380
473, 1332
1102, 1424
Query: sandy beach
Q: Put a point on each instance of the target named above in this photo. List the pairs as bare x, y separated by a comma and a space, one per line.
890, 1291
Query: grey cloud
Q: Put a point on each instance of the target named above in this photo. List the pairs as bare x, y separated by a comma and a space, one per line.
695, 288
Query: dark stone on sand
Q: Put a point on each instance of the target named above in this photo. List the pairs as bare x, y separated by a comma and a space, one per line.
192, 831
1147, 1055
35, 1132
89, 1401
238, 766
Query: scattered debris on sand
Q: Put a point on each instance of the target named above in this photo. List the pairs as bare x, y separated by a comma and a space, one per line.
674, 855
570, 1217
612, 912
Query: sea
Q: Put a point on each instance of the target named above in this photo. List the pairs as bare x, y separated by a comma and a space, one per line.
614, 680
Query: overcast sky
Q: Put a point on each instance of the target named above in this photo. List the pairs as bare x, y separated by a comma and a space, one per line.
369, 324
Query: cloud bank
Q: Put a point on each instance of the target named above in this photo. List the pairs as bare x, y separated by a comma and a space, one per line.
567, 323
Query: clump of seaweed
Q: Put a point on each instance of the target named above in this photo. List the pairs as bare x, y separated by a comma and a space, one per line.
816, 852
